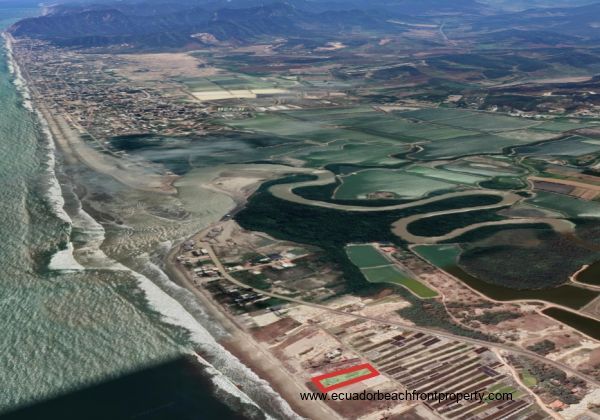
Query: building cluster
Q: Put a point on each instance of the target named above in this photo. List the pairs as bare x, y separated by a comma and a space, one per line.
97, 100
240, 296
275, 261
207, 274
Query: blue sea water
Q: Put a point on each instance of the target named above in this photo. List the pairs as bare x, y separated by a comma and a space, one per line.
83, 342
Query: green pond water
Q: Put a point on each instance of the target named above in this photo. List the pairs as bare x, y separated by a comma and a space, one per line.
446, 258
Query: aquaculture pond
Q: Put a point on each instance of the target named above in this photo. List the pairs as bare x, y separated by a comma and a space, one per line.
591, 275
584, 324
446, 257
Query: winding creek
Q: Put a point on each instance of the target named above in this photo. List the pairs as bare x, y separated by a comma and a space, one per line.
566, 296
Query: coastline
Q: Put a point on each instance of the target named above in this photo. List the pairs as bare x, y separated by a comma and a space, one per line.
58, 134
243, 346
62, 259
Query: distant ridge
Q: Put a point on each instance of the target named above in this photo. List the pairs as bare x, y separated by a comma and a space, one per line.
164, 23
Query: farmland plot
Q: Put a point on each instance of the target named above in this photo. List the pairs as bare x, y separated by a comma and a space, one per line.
404, 185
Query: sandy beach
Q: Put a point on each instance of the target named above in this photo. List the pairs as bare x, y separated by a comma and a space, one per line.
74, 150
68, 137
250, 352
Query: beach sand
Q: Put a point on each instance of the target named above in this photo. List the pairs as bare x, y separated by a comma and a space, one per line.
251, 353
238, 185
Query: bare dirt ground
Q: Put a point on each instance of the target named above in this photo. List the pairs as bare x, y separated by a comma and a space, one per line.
149, 67
71, 143
569, 182
592, 308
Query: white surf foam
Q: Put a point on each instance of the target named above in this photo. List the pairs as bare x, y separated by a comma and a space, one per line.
54, 192
18, 79
224, 361
64, 260
173, 312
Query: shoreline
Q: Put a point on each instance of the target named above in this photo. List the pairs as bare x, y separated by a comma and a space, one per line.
59, 134
62, 259
243, 346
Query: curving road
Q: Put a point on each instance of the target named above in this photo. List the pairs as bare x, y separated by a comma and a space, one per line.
407, 327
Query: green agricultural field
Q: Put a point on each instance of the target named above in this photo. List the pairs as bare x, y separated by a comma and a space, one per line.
329, 113
470, 120
490, 122
368, 121
438, 132
275, 124
570, 207
417, 131
390, 274
562, 125
404, 185
334, 380
484, 169
459, 178
528, 379
571, 146
434, 114
528, 135
200, 85
462, 146
365, 256
378, 269
380, 124
282, 125
366, 154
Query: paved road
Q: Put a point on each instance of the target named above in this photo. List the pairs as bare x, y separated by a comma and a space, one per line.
499, 346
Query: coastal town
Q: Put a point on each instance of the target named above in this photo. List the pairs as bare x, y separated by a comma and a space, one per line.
101, 102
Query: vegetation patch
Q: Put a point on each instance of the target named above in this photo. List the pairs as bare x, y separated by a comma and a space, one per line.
548, 263
543, 347
445, 256
431, 313
504, 183
528, 379
553, 381
331, 230
390, 274
466, 146
494, 318
441, 225
401, 184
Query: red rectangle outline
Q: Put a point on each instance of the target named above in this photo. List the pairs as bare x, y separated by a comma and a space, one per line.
317, 379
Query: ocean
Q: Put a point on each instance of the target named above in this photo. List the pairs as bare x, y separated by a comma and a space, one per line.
91, 326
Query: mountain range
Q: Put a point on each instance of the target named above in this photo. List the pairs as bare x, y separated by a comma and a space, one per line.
173, 24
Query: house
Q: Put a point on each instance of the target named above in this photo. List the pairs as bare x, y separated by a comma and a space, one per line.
557, 405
